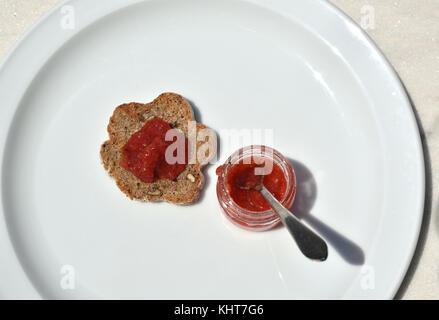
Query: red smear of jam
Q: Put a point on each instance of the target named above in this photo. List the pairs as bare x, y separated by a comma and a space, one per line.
144, 153
242, 174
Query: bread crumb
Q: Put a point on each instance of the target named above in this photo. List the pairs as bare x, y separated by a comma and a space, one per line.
191, 177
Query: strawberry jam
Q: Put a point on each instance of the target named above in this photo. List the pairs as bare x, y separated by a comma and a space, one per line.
240, 181
240, 178
144, 154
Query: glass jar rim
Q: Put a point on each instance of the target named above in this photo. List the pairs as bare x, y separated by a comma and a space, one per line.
258, 151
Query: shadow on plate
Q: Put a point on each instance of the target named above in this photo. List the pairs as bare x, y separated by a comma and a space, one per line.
306, 195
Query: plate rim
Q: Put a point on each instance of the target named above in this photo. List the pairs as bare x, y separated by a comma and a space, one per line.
420, 147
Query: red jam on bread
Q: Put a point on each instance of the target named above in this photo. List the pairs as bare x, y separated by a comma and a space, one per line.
144, 153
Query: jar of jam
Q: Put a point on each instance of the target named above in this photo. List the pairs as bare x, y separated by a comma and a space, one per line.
246, 207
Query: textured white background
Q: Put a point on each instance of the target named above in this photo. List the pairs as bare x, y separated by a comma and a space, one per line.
407, 31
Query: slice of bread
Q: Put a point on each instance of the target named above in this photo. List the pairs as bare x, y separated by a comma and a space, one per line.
130, 118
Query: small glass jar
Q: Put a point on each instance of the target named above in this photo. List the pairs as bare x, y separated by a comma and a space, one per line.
247, 219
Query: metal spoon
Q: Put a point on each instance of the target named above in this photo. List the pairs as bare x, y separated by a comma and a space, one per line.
310, 243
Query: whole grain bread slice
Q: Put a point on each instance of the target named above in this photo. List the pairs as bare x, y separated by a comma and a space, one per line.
131, 117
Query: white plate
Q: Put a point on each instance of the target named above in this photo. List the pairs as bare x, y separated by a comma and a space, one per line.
299, 67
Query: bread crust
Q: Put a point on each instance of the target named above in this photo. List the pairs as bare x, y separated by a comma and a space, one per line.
129, 118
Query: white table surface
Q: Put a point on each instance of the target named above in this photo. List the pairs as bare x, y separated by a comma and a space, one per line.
407, 32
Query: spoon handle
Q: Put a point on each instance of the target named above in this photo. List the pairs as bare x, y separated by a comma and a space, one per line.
310, 243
